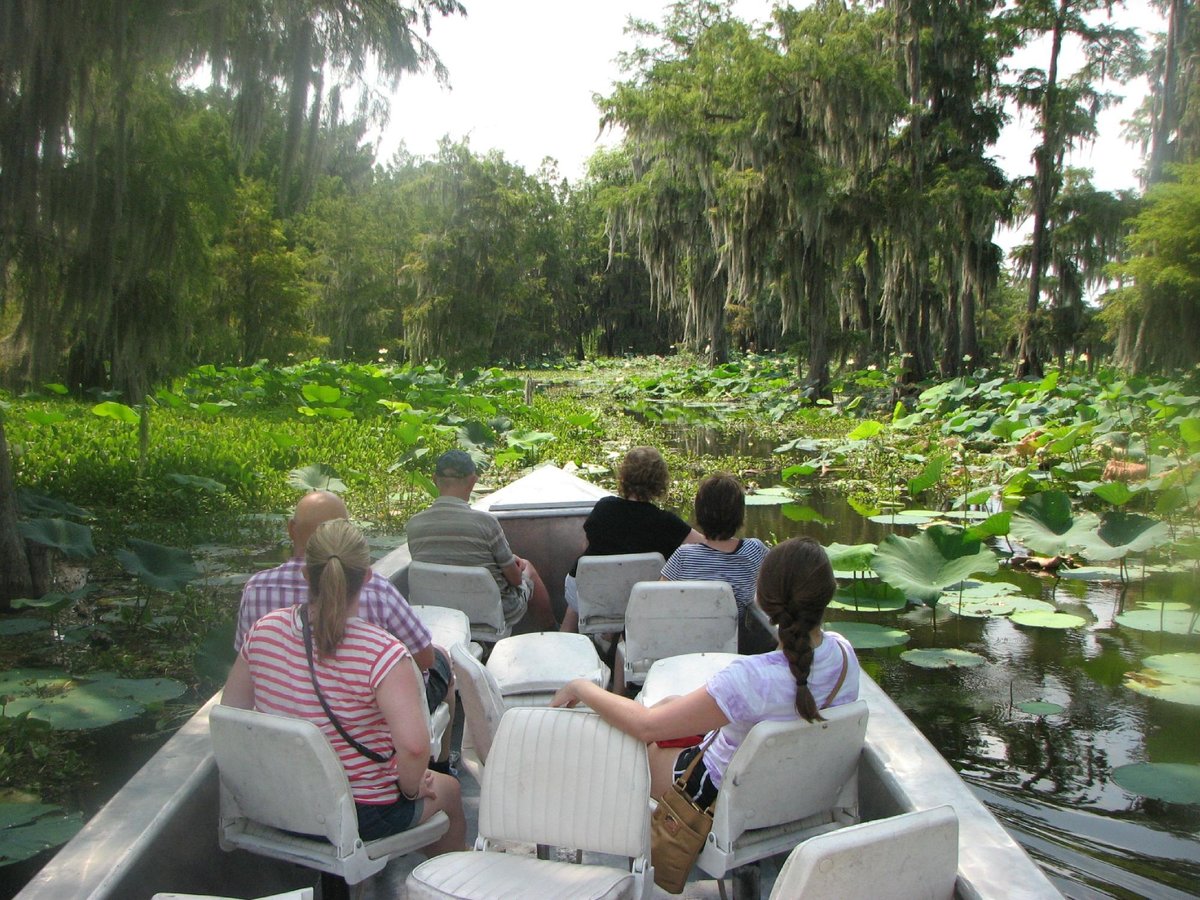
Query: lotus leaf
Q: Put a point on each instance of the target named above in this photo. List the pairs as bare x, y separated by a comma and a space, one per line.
22, 840
796, 512
922, 566
197, 481
215, 655
317, 477
77, 710
996, 525
1091, 573
1124, 533
166, 568
1189, 430
14, 627
863, 636
52, 603
1176, 682
1172, 782
140, 690
866, 429
1115, 492
765, 499
119, 411
943, 659
850, 557
72, 539
1040, 708
929, 476
1166, 621
869, 596
1044, 523
23, 813
965, 515
321, 393
1182, 665
19, 682
38, 417
1040, 619
31, 503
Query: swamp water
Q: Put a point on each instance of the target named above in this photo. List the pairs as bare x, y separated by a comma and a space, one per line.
1048, 778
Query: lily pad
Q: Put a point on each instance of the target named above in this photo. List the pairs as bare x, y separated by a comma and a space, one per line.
71, 538
850, 557
1045, 524
1172, 782
21, 682
762, 498
869, 595
864, 636
21, 840
1038, 619
317, 477
34, 504
1174, 677
77, 710
14, 627
948, 658
1183, 665
165, 568
922, 566
905, 517
1093, 573
797, 512
1124, 533
140, 690
1168, 621
1040, 707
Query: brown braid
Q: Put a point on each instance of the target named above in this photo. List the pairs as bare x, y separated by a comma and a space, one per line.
795, 584
336, 560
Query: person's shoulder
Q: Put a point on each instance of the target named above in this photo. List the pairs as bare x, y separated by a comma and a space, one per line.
284, 572
359, 630
382, 586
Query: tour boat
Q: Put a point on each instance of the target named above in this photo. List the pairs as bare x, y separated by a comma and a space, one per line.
159, 832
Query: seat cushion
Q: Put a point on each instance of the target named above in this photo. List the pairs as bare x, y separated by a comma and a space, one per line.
481, 876
543, 662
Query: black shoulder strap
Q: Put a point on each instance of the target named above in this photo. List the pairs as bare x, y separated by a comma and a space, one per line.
312, 671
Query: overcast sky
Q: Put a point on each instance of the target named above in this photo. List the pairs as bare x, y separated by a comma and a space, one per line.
523, 73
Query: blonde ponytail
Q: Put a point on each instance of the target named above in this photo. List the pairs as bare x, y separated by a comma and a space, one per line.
337, 559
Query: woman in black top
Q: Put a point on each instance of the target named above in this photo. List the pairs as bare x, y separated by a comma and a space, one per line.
631, 523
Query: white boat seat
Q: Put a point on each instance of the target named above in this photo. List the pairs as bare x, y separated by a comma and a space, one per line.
482, 706
913, 856
298, 894
281, 780
561, 777
604, 583
671, 618
471, 589
679, 675
787, 782
448, 627
534, 666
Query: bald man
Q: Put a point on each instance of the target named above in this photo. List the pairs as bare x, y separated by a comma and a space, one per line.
379, 602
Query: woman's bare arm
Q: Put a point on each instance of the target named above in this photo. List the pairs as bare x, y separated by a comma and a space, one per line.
401, 700
694, 713
239, 686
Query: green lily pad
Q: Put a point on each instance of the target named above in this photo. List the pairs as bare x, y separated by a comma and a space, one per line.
1038, 619
1168, 621
77, 710
906, 517
850, 557
922, 566
165, 568
869, 595
71, 538
949, 658
992, 607
34, 504
863, 636
14, 627
215, 656
23, 813
1040, 707
1045, 524
1172, 782
1094, 573
797, 512
1124, 533
762, 498
317, 477
21, 682
140, 690
22, 841
1182, 665
1174, 677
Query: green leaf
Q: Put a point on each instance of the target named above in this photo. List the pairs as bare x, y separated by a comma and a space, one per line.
77, 710
23, 682
996, 525
863, 509
866, 429
55, 388
72, 539
1189, 430
1115, 492
943, 659
864, 636
923, 565
1036, 619
1040, 708
197, 481
215, 655
321, 393
38, 417
317, 477
21, 842
850, 557
1161, 620
929, 476
1044, 523
13, 627
868, 595
119, 411
1172, 782
140, 690
165, 568
795, 512
1124, 533
799, 470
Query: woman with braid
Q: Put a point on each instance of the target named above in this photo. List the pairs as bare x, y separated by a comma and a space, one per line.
813, 669
365, 683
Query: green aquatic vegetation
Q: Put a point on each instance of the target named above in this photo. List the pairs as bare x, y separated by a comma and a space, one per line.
1172, 782
1047, 524
943, 658
868, 595
1040, 708
864, 636
1043, 619
1174, 677
95, 701
924, 565
1161, 620
26, 829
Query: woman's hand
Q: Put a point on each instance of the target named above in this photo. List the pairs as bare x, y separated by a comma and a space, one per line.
565, 696
427, 789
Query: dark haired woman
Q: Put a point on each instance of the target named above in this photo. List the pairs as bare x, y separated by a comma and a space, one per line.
630, 523
813, 669
720, 510
376, 696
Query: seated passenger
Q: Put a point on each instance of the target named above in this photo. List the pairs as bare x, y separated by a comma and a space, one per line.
451, 532
812, 670
720, 511
630, 523
366, 684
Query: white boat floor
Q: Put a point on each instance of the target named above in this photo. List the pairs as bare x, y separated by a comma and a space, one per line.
389, 884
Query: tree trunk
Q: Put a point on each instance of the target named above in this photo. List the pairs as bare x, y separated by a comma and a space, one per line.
16, 572
1165, 122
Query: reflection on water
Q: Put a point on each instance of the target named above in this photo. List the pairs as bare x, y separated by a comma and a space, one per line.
1048, 780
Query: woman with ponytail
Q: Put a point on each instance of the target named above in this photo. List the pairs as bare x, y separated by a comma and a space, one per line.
813, 669
320, 661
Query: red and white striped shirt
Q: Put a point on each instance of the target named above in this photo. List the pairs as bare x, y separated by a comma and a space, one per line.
274, 650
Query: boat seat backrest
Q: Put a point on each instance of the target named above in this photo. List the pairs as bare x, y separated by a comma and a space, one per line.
283, 773
604, 584
565, 777
913, 856
788, 771
469, 588
670, 618
482, 704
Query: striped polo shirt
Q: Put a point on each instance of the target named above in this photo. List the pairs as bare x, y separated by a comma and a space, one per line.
700, 562
274, 650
